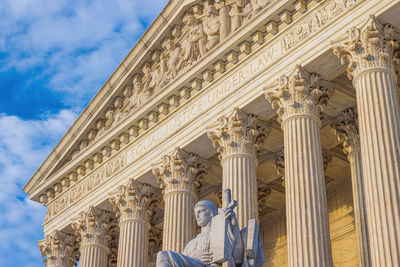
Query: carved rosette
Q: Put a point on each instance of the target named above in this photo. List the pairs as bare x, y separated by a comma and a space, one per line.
346, 130
133, 201
239, 133
93, 228
300, 94
58, 248
369, 47
181, 171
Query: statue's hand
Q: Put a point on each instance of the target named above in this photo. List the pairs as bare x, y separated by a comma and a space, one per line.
230, 215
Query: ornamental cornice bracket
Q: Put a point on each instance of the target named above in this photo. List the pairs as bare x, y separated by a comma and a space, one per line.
239, 132
371, 45
299, 93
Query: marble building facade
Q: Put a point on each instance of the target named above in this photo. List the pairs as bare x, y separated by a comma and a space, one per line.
293, 105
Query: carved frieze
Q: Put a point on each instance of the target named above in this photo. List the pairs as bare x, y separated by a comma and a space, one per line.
80, 189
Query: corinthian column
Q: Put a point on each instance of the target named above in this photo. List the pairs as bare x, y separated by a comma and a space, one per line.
346, 129
92, 228
238, 138
58, 248
132, 202
179, 176
371, 52
299, 97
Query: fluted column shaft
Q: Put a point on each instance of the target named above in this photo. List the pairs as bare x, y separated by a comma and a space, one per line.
178, 220
378, 109
179, 176
360, 215
133, 204
239, 175
238, 138
93, 255
133, 243
372, 52
306, 208
347, 130
299, 97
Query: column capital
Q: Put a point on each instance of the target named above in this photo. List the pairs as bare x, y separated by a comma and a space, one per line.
371, 46
92, 228
181, 171
345, 127
133, 201
300, 93
238, 133
58, 248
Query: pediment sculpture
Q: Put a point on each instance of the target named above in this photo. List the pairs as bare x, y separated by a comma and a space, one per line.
220, 242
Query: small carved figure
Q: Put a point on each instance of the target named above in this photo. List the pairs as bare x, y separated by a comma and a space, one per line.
194, 45
235, 14
212, 26
225, 28
240, 13
146, 81
173, 62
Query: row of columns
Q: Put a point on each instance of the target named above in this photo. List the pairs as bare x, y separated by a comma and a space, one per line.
372, 143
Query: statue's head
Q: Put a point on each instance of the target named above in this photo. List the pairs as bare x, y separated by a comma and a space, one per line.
204, 210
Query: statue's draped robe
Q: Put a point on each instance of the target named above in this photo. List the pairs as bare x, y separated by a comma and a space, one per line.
201, 243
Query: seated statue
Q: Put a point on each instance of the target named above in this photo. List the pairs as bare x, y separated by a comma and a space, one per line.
220, 243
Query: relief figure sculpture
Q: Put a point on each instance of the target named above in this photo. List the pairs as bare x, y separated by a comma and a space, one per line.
194, 45
220, 240
212, 26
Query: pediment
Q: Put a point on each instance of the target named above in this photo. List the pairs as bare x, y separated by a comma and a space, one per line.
179, 52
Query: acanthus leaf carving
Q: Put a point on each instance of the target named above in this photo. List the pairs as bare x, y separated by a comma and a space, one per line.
373, 45
92, 227
181, 171
300, 93
133, 201
59, 248
238, 133
346, 129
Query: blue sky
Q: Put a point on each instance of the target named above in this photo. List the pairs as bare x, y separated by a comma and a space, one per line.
54, 57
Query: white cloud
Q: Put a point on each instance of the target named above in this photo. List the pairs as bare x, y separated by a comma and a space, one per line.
77, 43
24, 144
